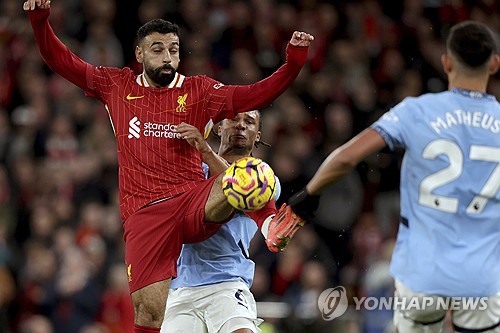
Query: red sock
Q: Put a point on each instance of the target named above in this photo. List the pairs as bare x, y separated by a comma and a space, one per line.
144, 329
259, 216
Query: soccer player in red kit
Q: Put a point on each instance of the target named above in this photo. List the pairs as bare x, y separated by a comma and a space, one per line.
165, 200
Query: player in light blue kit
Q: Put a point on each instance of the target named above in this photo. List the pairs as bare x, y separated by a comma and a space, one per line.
448, 243
211, 292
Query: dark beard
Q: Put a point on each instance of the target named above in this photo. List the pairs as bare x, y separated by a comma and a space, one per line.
160, 78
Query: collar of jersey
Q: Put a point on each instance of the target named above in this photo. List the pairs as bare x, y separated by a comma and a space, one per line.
472, 93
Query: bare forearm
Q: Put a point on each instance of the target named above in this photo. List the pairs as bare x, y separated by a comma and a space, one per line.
333, 168
342, 160
216, 164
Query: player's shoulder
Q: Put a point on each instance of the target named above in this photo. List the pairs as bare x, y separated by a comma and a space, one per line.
124, 73
201, 78
196, 78
427, 97
423, 101
206, 81
192, 79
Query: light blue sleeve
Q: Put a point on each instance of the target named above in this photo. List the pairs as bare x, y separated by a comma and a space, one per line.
205, 169
393, 125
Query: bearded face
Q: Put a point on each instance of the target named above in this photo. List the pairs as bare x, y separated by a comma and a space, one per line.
159, 55
161, 76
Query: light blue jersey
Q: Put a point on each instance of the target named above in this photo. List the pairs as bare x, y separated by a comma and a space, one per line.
449, 241
220, 258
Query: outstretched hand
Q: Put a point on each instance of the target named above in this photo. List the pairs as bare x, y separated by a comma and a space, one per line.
33, 4
193, 136
301, 39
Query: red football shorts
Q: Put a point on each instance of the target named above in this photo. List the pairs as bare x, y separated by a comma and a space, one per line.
154, 235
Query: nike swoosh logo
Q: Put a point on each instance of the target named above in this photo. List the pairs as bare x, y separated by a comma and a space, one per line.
129, 98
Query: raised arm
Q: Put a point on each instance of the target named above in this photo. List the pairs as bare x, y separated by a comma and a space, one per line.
340, 162
55, 54
261, 94
344, 159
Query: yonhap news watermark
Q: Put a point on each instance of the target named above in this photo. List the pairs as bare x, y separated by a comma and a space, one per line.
333, 303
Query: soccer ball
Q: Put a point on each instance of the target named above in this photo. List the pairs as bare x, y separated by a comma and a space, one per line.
249, 184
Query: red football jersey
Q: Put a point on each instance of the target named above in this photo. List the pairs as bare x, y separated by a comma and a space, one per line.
155, 162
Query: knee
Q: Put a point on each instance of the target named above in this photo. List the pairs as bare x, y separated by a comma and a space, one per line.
219, 214
217, 208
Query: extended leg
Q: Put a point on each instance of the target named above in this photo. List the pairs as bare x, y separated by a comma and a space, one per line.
217, 208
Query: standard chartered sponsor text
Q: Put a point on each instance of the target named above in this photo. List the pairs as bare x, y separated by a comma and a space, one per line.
160, 130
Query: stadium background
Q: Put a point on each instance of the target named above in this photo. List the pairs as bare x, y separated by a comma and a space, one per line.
61, 251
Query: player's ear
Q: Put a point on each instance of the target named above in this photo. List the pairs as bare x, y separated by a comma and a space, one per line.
494, 64
138, 54
446, 62
257, 137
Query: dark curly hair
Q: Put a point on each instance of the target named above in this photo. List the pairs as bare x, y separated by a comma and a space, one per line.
157, 25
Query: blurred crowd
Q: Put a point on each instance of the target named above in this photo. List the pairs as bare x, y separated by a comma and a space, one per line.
61, 241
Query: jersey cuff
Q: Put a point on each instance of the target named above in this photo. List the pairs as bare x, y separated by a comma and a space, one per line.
382, 132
